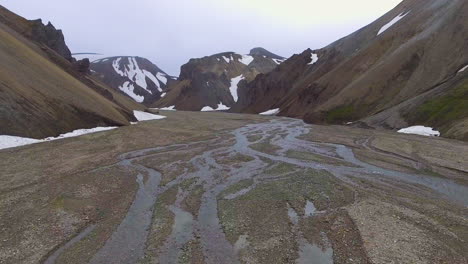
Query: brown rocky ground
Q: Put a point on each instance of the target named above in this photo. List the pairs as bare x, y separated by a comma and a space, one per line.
248, 188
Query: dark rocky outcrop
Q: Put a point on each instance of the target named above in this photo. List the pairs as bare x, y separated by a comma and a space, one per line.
82, 66
51, 37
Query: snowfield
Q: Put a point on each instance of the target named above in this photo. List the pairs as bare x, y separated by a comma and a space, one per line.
12, 141
314, 58
420, 130
234, 86
271, 112
393, 22
143, 116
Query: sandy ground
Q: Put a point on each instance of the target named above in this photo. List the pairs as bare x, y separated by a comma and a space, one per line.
225, 188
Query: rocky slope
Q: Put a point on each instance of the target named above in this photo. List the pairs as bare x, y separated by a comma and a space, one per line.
211, 82
41, 92
135, 77
404, 69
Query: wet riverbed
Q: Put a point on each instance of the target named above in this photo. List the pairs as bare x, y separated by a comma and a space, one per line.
265, 145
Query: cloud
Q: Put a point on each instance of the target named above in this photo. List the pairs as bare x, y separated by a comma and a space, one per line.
170, 32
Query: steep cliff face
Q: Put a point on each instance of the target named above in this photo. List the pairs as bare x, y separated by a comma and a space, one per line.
212, 82
42, 94
411, 52
136, 77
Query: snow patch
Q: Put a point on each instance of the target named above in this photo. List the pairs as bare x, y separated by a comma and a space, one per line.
228, 60
129, 89
162, 77
246, 59
420, 130
80, 132
207, 109
234, 85
278, 61
392, 22
12, 141
153, 79
314, 58
463, 69
143, 116
221, 107
271, 112
163, 94
170, 108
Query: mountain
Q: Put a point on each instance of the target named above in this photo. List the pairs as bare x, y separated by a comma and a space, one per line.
211, 82
403, 69
135, 77
41, 92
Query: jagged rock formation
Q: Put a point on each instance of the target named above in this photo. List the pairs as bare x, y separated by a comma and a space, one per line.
50, 36
404, 69
211, 82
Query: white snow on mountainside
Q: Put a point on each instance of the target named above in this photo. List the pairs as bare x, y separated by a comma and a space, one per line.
133, 72
392, 22
234, 86
463, 69
129, 89
314, 58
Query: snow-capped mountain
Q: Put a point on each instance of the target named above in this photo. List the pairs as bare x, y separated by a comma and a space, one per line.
211, 83
136, 77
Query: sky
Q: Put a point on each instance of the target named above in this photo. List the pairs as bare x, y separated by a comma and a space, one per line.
170, 32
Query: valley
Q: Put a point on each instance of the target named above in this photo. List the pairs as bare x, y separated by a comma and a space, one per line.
352, 151
235, 188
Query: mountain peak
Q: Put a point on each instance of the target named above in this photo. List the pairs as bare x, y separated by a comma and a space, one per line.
263, 52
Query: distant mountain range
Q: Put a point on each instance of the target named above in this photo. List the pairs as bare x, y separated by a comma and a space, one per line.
409, 67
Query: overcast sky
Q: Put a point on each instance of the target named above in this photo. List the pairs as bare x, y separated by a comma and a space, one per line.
170, 32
